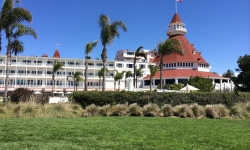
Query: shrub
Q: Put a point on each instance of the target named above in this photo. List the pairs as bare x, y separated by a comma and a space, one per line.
20, 95
60, 110
151, 110
198, 111
167, 110
211, 112
28, 110
119, 110
244, 109
134, 110
86, 98
106, 110
235, 113
39, 98
91, 110
183, 111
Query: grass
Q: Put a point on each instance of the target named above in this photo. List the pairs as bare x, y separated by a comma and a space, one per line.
124, 133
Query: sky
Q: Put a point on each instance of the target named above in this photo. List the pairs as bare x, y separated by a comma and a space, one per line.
220, 29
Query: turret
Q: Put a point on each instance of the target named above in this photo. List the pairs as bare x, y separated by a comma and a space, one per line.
176, 26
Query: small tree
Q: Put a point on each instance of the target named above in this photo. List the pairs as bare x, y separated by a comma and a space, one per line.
118, 77
56, 67
77, 77
153, 70
203, 84
88, 49
127, 74
242, 81
138, 53
138, 73
100, 75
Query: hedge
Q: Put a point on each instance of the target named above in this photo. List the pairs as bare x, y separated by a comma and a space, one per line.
86, 98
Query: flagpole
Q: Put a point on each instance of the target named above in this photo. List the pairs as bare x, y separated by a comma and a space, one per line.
175, 6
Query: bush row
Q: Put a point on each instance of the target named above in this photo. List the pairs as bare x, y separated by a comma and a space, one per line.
69, 110
86, 98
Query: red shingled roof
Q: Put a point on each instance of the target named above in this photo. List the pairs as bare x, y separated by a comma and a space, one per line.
188, 56
183, 73
176, 18
56, 54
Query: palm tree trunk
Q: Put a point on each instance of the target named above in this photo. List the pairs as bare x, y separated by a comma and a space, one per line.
99, 84
161, 72
136, 82
86, 75
7, 72
114, 85
76, 86
150, 84
125, 82
53, 78
104, 59
134, 70
119, 83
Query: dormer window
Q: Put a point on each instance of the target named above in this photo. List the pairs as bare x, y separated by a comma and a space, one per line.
183, 51
194, 51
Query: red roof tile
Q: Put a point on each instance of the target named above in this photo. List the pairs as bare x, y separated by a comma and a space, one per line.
56, 54
176, 18
183, 73
188, 56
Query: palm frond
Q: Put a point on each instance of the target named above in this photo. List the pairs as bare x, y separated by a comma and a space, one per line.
120, 24
139, 49
90, 46
23, 30
128, 74
103, 20
57, 66
141, 54
153, 70
16, 47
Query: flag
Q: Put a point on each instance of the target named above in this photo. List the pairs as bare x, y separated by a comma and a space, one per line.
58, 44
179, 0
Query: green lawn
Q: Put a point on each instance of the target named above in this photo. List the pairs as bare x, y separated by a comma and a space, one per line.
124, 133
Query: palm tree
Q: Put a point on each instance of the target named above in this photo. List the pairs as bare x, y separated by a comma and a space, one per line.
138, 73
228, 74
108, 32
17, 47
138, 53
118, 77
88, 49
153, 70
127, 74
77, 77
168, 47
56, 67
10, 22
100, 75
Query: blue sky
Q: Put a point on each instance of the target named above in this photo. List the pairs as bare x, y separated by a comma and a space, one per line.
220, 29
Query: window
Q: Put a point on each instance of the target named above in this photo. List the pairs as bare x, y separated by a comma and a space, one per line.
111, 65
130, 53
191, 64
119, 65
130, 65
183, 64
174, 64
99, 64
39, 72
142, 66
178, 64
167, 65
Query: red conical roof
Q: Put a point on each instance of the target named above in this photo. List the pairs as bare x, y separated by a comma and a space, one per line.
56, 54
176, 18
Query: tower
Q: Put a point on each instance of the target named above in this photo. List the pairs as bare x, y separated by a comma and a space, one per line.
176, 26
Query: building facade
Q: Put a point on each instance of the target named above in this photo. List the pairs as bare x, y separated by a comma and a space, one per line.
36, 72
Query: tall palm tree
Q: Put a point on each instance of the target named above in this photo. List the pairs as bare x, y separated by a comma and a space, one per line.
168, 47
108, 32
56, 67
138, 73
118, 77
127, 74
138, 53
77, 77
153, 70
10, 22
228, 74
100, 75
88, 49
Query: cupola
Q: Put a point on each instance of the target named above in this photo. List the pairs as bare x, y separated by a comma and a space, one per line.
176, 26
56, 54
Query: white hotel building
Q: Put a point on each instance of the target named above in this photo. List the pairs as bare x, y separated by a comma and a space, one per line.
35, 72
